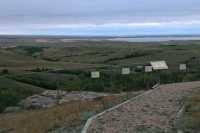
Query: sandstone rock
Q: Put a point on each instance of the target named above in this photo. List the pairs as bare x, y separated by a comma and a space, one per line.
38, 101
50, 98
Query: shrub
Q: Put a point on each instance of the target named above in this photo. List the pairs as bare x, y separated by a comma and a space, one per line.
4, 71
8, 97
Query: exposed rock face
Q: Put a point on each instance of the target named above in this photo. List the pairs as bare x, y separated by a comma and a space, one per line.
74, 96
50, 98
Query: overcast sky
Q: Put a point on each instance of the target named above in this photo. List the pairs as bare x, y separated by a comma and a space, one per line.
100, 17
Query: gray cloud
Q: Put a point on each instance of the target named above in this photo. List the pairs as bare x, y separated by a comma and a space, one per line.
95, 8
23, 15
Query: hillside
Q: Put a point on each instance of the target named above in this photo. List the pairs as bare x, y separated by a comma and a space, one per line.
30, 66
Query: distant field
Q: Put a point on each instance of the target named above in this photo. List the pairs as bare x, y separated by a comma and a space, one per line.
91, 55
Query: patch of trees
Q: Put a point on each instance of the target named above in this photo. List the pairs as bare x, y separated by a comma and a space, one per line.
108, 82
4, 71
9, 97
133, 55
30, 50
138, 81
81, 81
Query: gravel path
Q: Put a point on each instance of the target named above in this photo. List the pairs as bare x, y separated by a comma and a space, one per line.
152, 112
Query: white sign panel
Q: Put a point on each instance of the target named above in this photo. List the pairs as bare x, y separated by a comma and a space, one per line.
148, 69
126, 71
95, 74
159, 65
183, 67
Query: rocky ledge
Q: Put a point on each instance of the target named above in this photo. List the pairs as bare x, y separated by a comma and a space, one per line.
50, 98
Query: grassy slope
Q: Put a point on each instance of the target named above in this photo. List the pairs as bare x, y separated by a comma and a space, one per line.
13, 60
11, 92
49, 80
190, 120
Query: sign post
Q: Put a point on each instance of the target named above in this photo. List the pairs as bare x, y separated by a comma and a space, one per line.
126, 71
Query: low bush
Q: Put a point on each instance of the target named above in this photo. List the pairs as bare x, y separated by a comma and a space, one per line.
11, 92
108, 82
4, 71
189, 121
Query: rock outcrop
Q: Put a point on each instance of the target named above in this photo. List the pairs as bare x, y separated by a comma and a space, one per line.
51, 98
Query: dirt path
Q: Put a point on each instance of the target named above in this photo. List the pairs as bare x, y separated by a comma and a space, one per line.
152, 112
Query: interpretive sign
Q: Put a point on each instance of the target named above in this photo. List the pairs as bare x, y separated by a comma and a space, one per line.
95, 74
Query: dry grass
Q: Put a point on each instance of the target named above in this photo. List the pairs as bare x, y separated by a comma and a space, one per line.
66, 115
193, 108
190, 120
